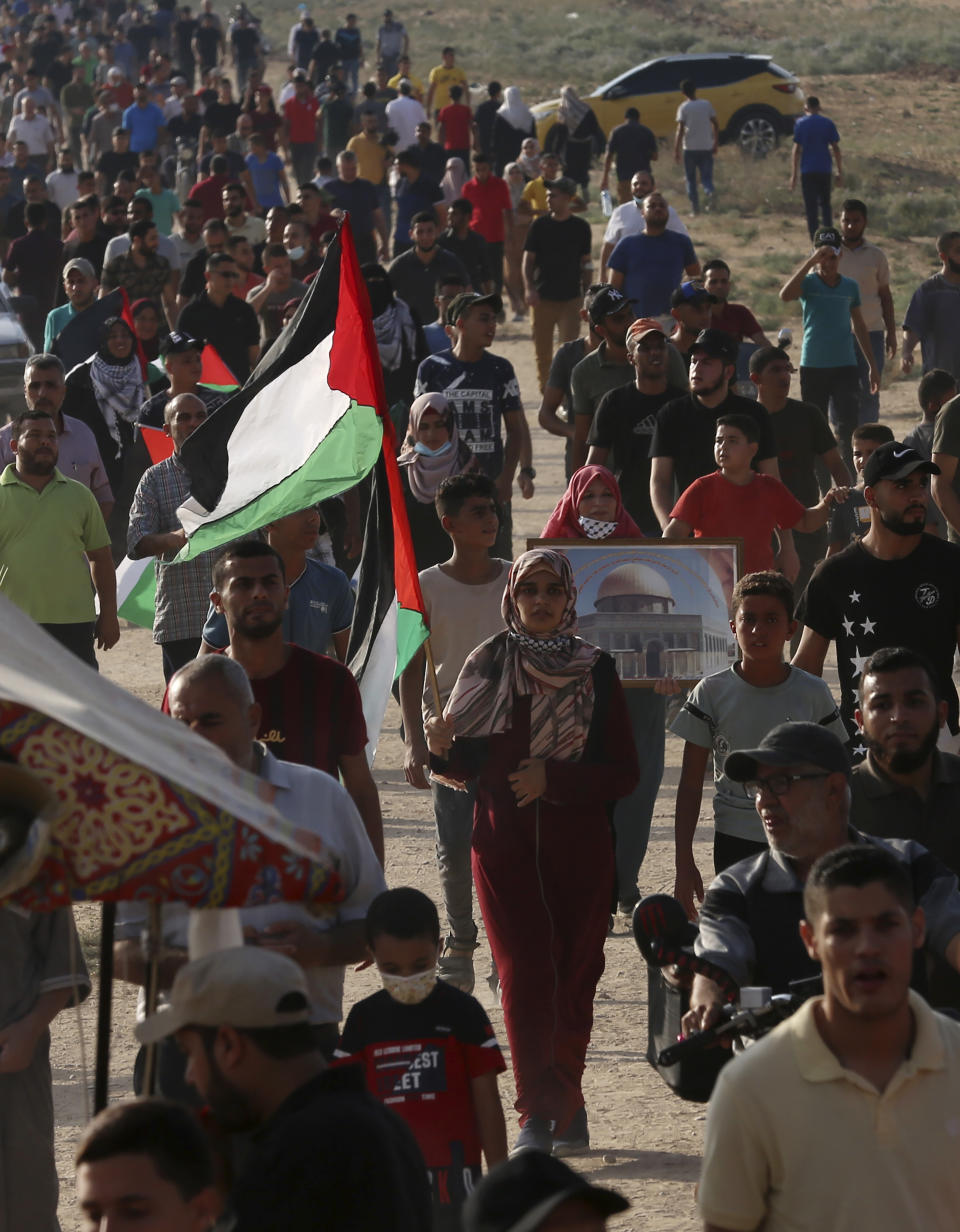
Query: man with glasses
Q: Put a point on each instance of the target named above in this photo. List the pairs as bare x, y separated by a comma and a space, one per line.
228, 323
799, 779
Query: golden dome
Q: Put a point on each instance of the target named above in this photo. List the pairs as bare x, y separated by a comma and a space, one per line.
635, 579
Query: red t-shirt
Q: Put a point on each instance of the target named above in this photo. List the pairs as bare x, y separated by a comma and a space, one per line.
736, 319
301, 118
719, 509
489, 200
312, 712
209, 193
456, 120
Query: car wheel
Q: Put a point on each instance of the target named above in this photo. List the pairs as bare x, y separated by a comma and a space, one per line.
755, 133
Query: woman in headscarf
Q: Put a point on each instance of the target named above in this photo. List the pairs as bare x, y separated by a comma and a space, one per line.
515, 234
400, 342
431, 453
537, 716
147, 318
575, 137
528, 160
591, 508
454, 178
106, 392
513, 122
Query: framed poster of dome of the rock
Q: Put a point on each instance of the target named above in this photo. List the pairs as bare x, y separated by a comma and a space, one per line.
660, 607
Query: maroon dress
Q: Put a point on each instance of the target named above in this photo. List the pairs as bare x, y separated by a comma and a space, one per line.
544, 876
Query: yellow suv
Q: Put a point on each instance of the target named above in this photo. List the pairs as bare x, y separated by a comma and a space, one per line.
756, 101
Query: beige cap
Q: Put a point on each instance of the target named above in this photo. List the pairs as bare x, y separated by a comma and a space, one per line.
240, 987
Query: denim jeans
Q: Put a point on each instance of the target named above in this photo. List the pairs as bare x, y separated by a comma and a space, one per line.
351, 75
815, 187
694, 161
841, 387
634, 813
870, 403
454, 814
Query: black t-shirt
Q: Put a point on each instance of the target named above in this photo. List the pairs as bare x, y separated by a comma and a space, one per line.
559, 247
246, 41
333, 1156
151, 412
183, 32
184, 127
141, 34
864, 604
633, 145
359, 198
801, 434
194, 278
230, 330
208, 44
685, 431
325, 55
566, 359
91, 250
112, 162
624, 423
473, 253
221, 118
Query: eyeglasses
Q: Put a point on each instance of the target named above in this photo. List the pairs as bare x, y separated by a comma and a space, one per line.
778, 784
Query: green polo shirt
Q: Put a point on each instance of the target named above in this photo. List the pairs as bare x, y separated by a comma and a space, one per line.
43, 537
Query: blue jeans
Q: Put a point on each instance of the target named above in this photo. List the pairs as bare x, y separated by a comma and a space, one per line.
694, 161
351, 75
633, 815
870, 403
454, 813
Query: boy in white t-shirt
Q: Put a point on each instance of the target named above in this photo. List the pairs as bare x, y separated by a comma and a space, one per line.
463, 598
699, 138
734, 709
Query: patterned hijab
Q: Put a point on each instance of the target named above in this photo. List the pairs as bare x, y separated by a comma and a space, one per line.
565, 522
572, 109
117, 383
425, 473
555, 671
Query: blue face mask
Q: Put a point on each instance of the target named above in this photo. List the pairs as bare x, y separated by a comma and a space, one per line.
427, 452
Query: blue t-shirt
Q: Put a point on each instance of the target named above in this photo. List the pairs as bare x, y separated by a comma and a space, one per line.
828, 340
436, 338
653, 267
412, 197
266, 179
815, 134
144, 124
320, 604
479, 394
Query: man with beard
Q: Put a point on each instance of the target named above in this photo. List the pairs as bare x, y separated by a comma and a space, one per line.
604, 368
324, 1148
415, 273
235, 215
905, 787
867, 264
54, 543
310, 704
649, 266
894, 587
932, 317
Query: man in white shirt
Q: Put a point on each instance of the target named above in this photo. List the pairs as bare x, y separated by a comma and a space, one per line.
34, 129
867, 265
627, 219
62, 183
699, 137
404, 113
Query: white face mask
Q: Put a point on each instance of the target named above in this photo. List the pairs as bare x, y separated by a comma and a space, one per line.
410, 989
595, 529
296, 254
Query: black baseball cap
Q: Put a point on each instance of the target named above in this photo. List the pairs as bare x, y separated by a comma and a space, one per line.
895, 461
564, 184
606, 302
829, 236
790, 744
177, 343
470, 299
692, 293
519, 1194
717, 343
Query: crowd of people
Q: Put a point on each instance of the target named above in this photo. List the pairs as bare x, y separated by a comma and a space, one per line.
147, 154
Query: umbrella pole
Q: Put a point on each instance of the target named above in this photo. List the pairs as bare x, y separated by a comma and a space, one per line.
152, 943
108, 914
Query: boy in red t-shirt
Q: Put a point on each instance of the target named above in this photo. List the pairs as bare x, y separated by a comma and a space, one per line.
456, 121
428, 1052
737, 502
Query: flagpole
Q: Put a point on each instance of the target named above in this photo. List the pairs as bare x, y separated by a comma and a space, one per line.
152, 941
108, 914
432, 673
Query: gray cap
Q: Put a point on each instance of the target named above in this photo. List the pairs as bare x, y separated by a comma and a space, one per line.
81, 264
790, 744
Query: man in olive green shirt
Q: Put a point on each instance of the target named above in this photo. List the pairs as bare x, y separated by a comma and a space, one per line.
48, 523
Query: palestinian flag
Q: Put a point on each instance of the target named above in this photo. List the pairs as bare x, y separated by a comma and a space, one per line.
214, 373
304, 427
80, 337
137, 579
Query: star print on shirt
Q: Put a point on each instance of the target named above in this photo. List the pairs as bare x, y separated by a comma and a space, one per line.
855, 596
858, 661
859, 751
868, 625
848, 627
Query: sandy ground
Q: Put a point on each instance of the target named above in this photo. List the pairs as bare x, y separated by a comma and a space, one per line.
647, 1143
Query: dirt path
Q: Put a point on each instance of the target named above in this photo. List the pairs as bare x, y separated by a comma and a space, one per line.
647, 1143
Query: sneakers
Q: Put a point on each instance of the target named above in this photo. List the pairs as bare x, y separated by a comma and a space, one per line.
536, 1134
575, 1139
456, 963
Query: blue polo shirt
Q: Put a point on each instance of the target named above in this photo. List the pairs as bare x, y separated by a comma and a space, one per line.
814, 134
653, 267
828, 340
144, 124
266, 179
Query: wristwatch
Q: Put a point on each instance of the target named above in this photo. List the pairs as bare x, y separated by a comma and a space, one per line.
529, 471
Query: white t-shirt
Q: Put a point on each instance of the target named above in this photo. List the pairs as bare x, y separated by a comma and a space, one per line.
62, 187
403, 116
695, 114
37, 133
120, 244
460, 618
628, 220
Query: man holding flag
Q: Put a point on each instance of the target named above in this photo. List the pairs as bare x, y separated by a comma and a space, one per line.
183, 590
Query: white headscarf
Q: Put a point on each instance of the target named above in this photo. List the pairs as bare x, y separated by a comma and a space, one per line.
530, 164
572, 109
515, 111
453, 180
